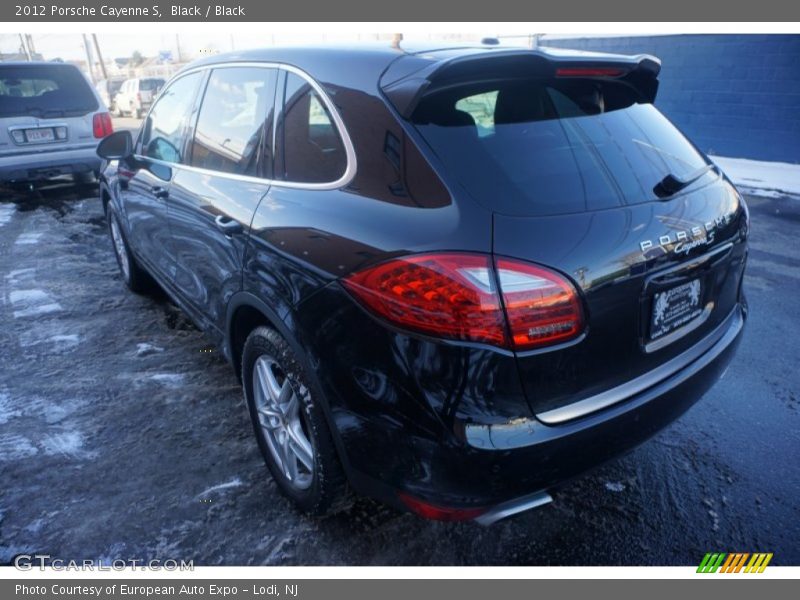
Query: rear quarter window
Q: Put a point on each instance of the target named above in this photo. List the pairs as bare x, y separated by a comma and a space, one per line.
309, 145
44, 91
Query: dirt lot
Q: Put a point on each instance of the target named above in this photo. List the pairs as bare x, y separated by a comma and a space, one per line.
122, 435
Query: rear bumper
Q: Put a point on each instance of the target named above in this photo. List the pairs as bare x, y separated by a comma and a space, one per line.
506, 468
46, 164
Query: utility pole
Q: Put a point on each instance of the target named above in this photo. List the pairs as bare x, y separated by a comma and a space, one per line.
89, 60
100, 57
178, 48
24, 47
31, 46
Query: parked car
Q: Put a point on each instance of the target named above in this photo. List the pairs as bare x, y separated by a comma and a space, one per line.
51, 120
108, 90
448, 278
136, 95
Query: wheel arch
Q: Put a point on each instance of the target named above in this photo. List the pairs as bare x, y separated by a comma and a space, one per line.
245, 313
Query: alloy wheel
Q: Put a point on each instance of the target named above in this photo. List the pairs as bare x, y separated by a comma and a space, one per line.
282, 422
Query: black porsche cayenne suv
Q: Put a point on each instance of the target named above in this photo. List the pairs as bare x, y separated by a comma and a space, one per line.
448, 278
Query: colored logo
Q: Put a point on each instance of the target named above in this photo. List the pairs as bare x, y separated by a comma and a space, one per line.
734, 562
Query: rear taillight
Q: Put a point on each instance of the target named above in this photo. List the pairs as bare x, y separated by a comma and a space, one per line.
101, 125
446, 295
455, 296
542, 307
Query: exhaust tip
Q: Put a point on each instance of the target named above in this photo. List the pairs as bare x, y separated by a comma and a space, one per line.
514, 507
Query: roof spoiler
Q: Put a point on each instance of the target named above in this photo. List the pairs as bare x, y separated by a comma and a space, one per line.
639, 72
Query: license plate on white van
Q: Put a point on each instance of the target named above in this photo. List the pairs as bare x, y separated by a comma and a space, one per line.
37, 136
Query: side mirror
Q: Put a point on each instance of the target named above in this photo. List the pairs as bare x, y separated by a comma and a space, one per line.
116, 146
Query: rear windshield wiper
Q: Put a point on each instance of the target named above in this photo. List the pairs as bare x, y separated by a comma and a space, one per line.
672, 184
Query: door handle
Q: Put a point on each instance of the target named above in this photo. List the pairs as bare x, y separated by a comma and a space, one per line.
159, 192
227, 225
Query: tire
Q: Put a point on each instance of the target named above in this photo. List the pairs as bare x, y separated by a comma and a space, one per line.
317, 484
136, 278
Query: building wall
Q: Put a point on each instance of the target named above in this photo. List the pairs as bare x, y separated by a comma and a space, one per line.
733, 95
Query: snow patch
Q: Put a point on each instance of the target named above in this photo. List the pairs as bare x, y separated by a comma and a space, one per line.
68, 338
34, 311
760, 178
27, 273
168, 379
7, 410
69, 444
28, 296
6, 212
28, 239
236, 482
145, 349
35, 526
15, 447
32, 303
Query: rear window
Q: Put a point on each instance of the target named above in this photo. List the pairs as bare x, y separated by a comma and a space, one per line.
44, 91
544, 147
151, 85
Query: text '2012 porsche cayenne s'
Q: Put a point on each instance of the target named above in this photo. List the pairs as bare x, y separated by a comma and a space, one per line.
448, 279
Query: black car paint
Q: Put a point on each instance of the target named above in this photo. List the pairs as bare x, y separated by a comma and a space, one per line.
399, 404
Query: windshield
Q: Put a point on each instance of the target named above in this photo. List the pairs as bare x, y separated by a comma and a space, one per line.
556, 146
44, 91
114, 86
151, 85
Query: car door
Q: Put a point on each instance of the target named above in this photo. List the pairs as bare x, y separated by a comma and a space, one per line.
147, 176
213, 200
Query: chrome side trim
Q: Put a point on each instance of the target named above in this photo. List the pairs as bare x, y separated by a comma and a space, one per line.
514, 507
349, 149
711, 346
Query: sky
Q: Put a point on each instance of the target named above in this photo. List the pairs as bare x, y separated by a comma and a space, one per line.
70, 46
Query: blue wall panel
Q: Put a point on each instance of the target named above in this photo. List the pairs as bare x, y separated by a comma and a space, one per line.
733, 95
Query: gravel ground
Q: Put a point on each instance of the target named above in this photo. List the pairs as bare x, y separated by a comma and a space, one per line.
123, 435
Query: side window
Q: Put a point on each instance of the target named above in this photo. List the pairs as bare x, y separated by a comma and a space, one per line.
235, 120
310, 148
481, 108
165, 129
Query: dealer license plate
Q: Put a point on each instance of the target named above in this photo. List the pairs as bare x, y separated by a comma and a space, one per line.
675, 307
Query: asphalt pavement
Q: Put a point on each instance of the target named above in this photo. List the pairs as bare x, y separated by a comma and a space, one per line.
123, 435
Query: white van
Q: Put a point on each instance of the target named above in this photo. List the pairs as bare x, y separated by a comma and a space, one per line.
136, 95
